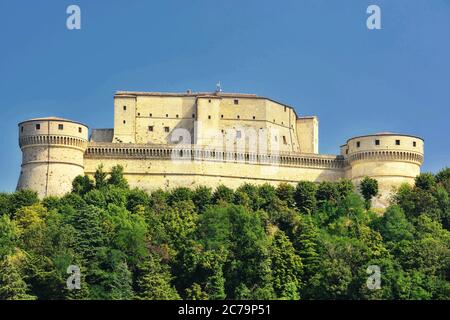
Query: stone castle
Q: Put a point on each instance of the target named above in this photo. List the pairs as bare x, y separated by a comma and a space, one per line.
166, 140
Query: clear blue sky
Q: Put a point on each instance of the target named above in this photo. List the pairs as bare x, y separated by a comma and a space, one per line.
316, 55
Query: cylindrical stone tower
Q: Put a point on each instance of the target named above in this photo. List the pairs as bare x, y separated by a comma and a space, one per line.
391, 159
52, 154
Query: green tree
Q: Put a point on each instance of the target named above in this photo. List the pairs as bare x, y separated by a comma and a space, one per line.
286, 268
82, 184
12, 283
116, 177
286, 193
100, 177
154, 281
121, 283
202, 198
305, 197
223, 194
425, 181
369, 189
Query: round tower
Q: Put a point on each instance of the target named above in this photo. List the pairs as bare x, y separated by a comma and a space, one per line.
391, 159
52, 154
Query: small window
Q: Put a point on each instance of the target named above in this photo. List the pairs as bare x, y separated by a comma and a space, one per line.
346, 151
377, 142
285, 109
124, 108
124, 122
166, 129
209, 100
284, 140
167, 115
238, 117
221, 116
21, 129
38, 126
254, 117
150, 128
151, 115
397, 142
193, 115
60, 126
209, 117
414, 144
80, 130
177, 115
358, 144
139, 113
238, 134
236, 101
273, 120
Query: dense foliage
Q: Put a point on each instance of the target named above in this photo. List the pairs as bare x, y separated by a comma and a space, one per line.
311, 241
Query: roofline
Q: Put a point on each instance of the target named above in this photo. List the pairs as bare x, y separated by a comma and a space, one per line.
54, 120
218, 95
384, 134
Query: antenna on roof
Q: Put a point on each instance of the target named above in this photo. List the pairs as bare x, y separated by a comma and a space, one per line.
218, 87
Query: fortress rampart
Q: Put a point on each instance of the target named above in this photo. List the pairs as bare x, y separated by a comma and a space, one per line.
170, 140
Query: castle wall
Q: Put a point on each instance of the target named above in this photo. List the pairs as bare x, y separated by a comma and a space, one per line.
153, 168
169, 140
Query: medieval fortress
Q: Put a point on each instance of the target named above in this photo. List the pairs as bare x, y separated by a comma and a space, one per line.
166, 140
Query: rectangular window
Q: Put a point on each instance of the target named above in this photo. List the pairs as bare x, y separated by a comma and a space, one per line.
238, 134
124, 122
254, 117
397, 142
358, 144
193, 115
284, 140
346, 151
60, 126
167, 115
236, 101
209, 117
285, 109
21, 129
177, 116
414, 144
150, 128
221, 116
377, 142
238, 117
139, 114
38, 126
124, 108
80, 130
166, 129
151, 115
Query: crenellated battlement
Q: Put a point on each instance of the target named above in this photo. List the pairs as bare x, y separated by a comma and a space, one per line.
193, 152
